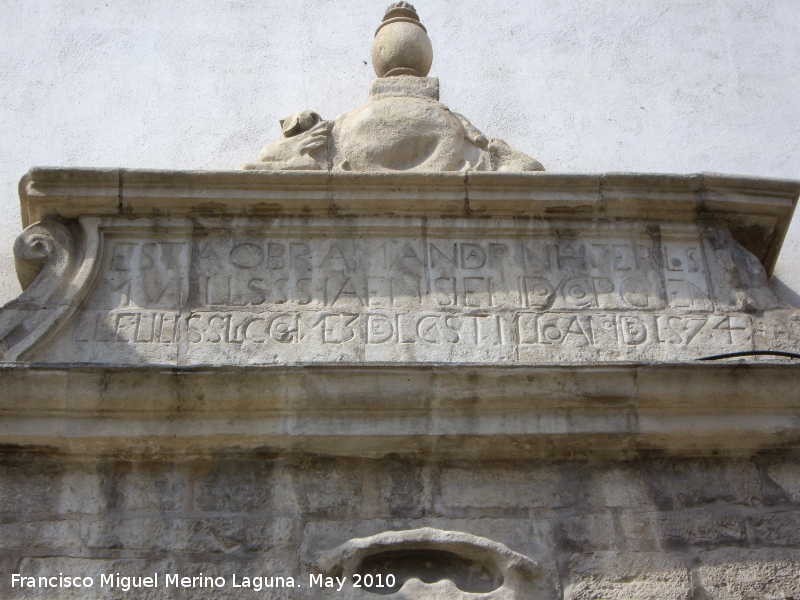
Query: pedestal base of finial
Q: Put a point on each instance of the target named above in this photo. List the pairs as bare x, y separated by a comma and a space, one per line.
418, 87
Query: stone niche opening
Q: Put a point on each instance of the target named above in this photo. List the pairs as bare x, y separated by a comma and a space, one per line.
430, 566
429, 562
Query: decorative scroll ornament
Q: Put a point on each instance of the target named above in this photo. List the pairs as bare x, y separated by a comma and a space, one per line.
431, 564
401, 127
45, 259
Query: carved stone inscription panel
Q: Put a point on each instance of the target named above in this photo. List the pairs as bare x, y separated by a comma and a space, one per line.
399, 290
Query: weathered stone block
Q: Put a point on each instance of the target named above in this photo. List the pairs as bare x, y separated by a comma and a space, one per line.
231, 485
586, 533
150, 486
501, 487
51, 488
644, 576
168, 534
777, 529
402, 487
687, 483
663, 531
326, 485
82, 492
264, 535
619, 487
787, 476
62, 536
738, 574
29, 490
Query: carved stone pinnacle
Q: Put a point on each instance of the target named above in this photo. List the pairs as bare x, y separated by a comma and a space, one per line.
402, 45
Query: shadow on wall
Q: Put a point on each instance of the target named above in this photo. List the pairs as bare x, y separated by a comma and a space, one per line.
784, 292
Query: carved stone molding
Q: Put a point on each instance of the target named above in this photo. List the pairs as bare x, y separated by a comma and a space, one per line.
45, 246
757, 211
47, 259
431, 564
401, 127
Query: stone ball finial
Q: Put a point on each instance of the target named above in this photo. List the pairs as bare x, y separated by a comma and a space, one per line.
402, 45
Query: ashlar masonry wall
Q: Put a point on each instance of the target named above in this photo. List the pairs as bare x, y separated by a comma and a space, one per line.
651, 527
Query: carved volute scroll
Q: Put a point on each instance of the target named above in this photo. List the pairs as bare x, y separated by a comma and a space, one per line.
401, 127
44, 247
45, 258
431, 564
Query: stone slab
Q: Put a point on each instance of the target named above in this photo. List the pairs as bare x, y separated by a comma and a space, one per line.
212, 291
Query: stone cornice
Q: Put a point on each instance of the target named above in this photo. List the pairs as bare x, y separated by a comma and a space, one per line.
756, 210
441, 411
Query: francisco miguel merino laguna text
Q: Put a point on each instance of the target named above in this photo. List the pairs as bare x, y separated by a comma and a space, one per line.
165, 580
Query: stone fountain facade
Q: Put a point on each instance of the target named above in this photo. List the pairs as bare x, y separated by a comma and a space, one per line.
393, 346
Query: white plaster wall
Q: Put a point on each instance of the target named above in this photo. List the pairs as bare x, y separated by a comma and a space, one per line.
582, 85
